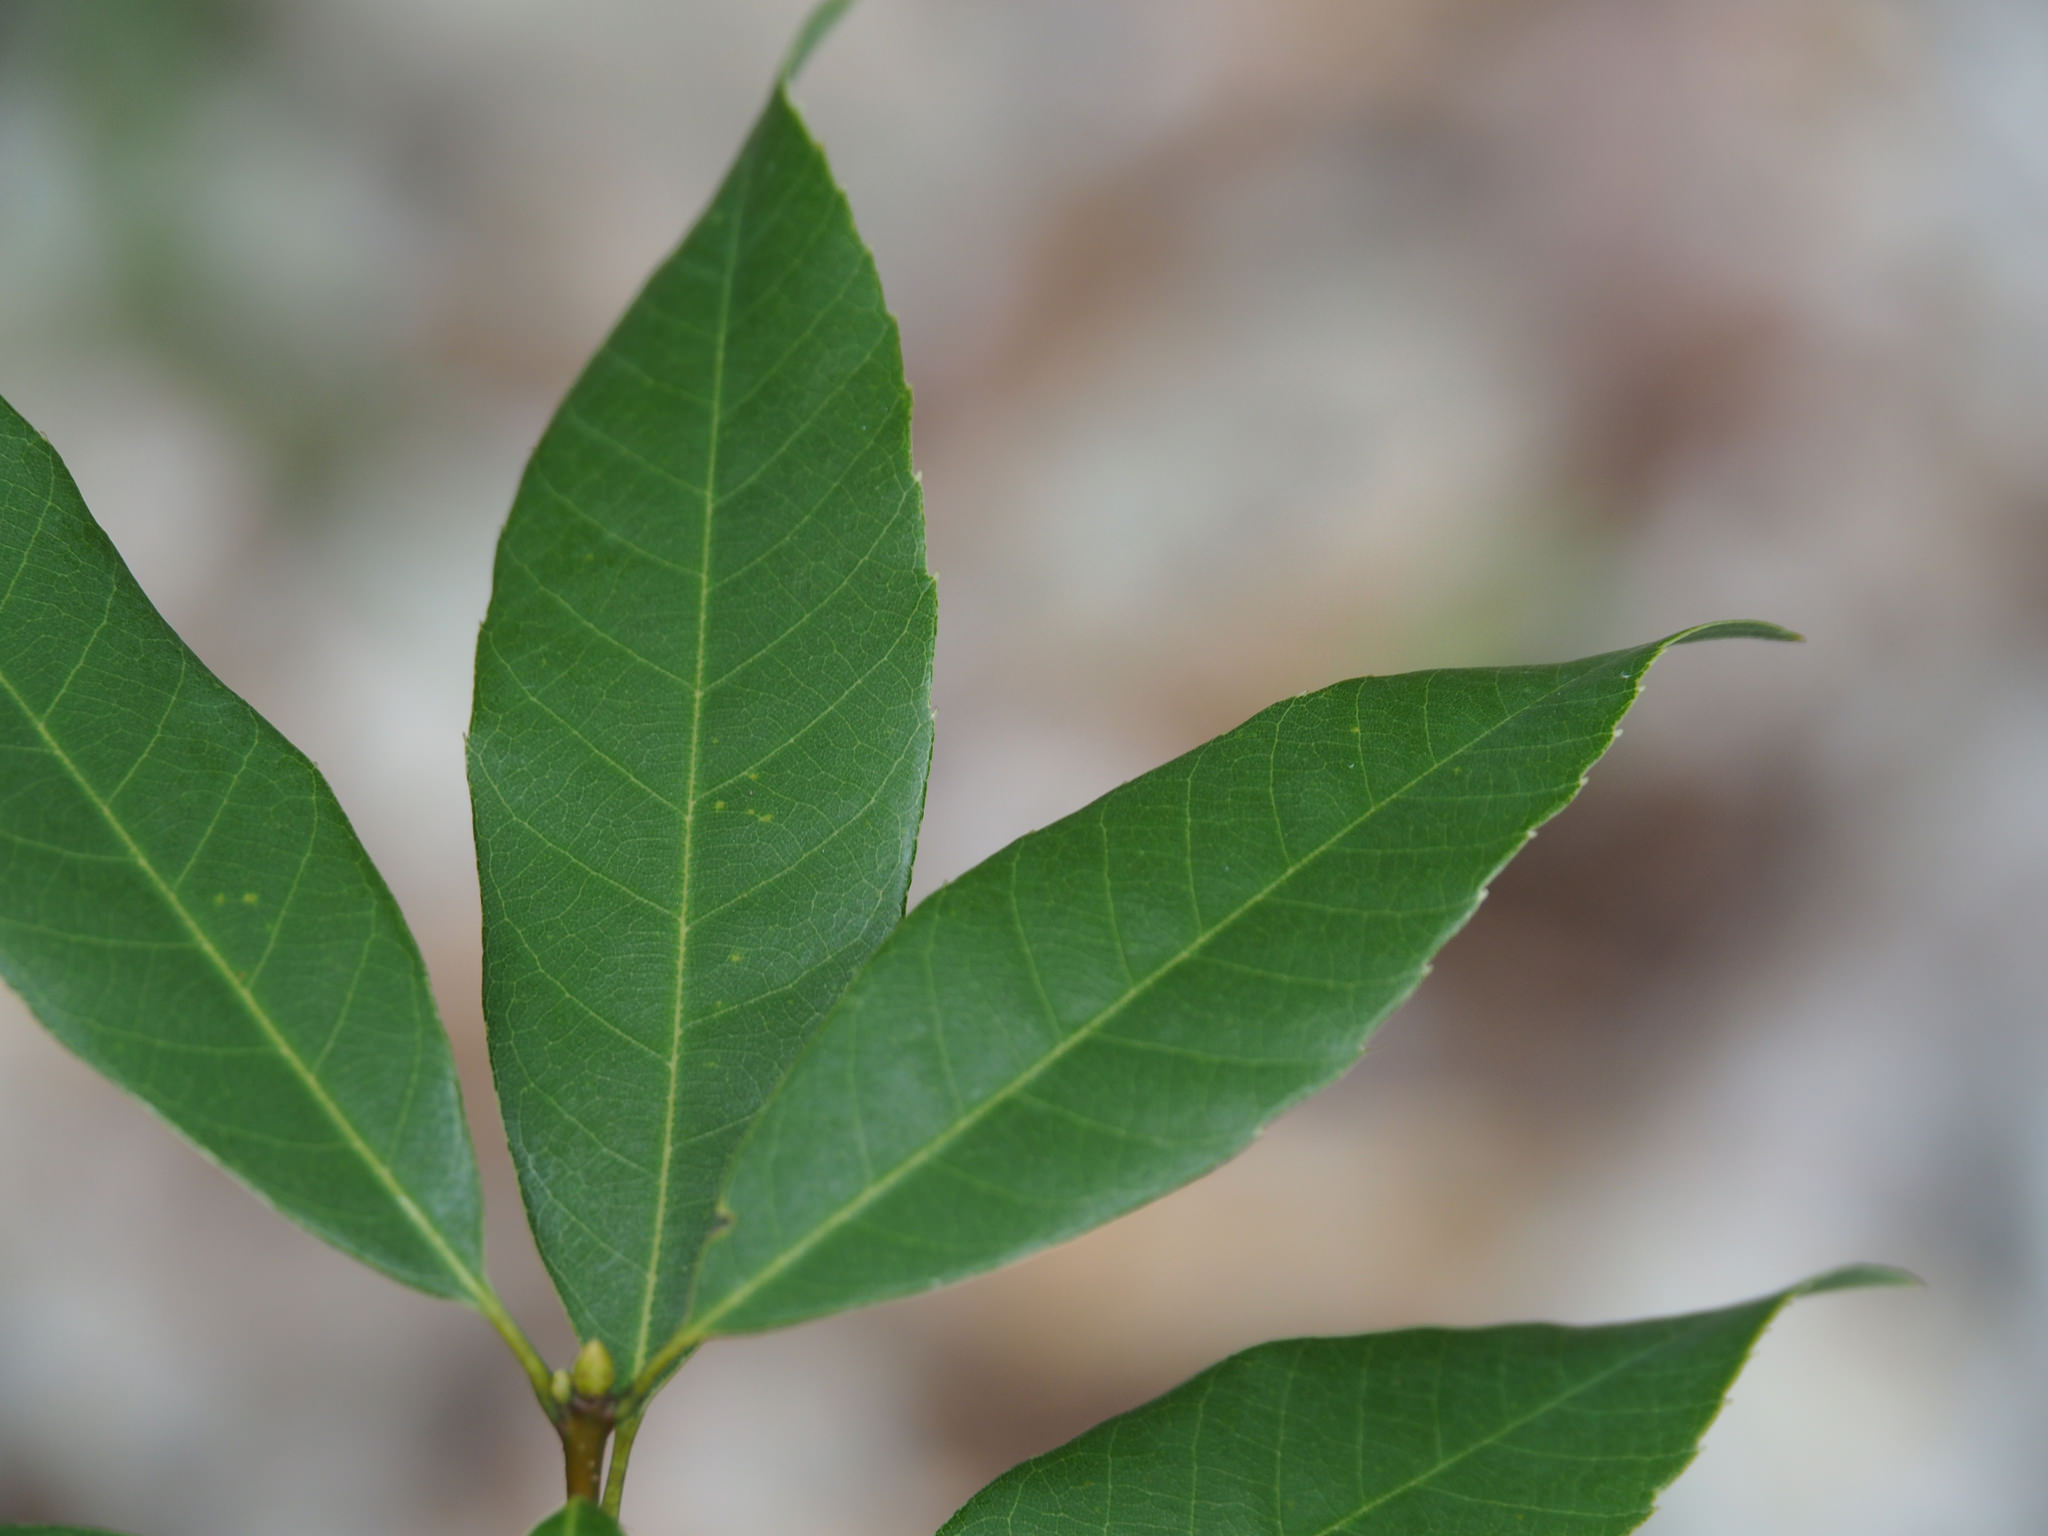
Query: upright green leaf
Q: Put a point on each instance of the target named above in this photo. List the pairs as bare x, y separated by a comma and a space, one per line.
579, 1517
1494, 1432
702, 727
1114, 1004
183, 903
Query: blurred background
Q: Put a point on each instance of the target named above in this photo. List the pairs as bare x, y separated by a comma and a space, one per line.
1257, 343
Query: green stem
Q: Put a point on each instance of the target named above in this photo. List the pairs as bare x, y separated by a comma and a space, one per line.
537, 1372
631, 1406
622, 1452
584, 1431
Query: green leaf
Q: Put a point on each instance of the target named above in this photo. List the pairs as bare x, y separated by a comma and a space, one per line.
817, 26
183, 903
1491, 1432
579, 1517
702, 727
1115, 1004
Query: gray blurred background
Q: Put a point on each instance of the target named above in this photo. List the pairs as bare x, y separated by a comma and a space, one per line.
1257, 343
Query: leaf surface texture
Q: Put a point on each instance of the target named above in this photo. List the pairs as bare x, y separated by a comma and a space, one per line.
1488, 1432
702, 727
184, 904
1115, 1004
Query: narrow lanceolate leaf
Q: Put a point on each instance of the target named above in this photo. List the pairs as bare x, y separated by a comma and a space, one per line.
702, 727
183, 903
1115, 1004
580, 1517
1494, 1432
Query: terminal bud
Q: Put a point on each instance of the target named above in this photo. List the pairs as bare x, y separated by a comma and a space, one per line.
593, 1373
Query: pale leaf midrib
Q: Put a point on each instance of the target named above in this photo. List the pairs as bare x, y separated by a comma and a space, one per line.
704, 587
703, 1327
470, 1282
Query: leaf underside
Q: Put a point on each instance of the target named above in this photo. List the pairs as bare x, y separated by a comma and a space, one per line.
1113, 1005
702, 727
580, 1517
1489, 1432
183, 904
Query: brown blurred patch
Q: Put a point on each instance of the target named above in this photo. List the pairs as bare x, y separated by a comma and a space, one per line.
1593, 960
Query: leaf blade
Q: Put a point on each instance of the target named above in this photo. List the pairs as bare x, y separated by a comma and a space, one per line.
1063, 1033
1477, 1431
184, 904
711, 621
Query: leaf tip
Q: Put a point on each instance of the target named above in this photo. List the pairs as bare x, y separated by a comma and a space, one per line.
1856, 1277
817, 26
1735, 629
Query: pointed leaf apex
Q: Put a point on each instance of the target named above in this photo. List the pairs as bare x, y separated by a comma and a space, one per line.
817, 26
1735, 629
1856, 1277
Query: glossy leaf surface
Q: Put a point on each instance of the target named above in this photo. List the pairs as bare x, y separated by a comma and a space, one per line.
1115, 1004
183, 903
702, 727
580, 1517
1491, 1432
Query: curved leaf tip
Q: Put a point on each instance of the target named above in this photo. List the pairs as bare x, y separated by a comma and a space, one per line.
1013, 1039
1735, 629
1855, 1277
816, 28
